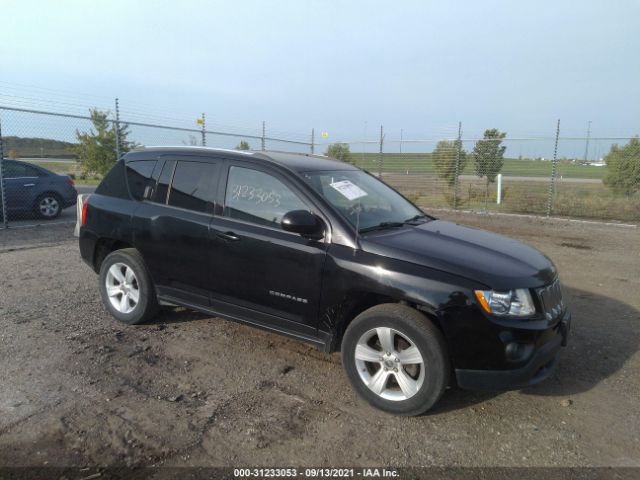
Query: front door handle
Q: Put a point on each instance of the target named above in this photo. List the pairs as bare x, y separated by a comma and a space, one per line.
232, 237
29, 185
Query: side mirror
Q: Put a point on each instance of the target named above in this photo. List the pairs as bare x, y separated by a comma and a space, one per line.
303, 222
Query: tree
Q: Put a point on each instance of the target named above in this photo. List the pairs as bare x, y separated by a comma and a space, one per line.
488, 156
192, 142
96, 150
12, 155
243, 145
623, 168
445, 156
339, 151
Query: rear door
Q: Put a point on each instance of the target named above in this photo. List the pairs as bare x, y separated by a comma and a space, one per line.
256, 265
171, 225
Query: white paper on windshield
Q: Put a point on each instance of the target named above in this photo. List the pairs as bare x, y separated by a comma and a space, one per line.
348, 189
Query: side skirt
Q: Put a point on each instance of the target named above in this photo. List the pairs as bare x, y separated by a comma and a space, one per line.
236, 316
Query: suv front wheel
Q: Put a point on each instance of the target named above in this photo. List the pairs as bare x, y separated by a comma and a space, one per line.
126, 288
396, 359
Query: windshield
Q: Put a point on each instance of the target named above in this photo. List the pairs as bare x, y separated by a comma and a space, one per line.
354, 191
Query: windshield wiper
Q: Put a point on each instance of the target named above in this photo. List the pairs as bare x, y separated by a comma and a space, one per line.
416, 218
381, 226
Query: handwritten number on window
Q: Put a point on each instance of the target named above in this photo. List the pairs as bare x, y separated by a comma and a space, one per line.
256, 195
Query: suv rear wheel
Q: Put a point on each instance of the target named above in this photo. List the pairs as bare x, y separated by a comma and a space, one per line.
396, 359
126, 288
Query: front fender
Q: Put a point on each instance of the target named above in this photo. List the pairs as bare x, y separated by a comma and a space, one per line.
357, 277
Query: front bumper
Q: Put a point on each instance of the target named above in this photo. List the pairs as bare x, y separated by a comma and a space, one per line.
540, 366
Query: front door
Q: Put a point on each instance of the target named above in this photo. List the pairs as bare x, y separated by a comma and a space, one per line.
258, 266
21, 186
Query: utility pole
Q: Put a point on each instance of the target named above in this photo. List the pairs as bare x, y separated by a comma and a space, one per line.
401, 132
364, 144
117, 130
586, 147
457, 172
262, 140
381, 156
554, 172
204, 131
313, 140
3, 199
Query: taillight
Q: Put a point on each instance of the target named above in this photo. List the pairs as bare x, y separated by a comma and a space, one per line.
69, 181
85, 204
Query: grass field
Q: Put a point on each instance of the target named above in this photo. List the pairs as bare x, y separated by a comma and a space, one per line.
570, 198
423, 163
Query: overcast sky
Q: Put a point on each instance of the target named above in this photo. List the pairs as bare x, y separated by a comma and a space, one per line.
416, 65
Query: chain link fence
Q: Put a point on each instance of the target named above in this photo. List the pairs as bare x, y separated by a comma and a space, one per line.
542, 176
574, 177
34, 143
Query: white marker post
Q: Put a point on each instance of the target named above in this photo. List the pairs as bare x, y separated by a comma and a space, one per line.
499, 193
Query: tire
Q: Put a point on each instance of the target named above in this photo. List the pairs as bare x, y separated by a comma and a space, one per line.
407, 387
48, 206
119, 291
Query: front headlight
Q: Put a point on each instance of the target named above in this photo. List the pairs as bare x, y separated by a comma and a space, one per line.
516, 303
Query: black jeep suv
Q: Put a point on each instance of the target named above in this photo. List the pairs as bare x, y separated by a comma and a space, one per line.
323, 252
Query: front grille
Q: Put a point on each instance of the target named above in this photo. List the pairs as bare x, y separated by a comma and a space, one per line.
551, 300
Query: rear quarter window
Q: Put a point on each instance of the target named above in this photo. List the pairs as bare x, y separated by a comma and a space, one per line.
114, 183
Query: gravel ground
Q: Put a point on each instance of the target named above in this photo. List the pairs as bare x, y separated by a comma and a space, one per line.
79, 389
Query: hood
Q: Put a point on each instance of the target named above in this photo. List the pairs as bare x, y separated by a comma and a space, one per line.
496, 261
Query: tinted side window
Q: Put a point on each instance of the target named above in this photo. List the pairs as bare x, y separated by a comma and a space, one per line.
114, 183
258, 197
17, 170
193, 186
12, 169
32, 171
162, 187
138, 177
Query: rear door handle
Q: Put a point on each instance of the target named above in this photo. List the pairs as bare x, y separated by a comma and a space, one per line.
232, 237
29, 185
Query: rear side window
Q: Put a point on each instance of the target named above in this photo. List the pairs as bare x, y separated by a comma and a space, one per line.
139, 176
193, 186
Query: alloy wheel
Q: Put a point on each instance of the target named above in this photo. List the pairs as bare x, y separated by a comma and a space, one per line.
122, 288
389, 363
49, 206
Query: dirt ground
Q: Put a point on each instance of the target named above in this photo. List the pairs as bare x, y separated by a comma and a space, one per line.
77, 388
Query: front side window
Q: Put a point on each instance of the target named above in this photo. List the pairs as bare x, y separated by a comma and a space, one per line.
193, 186
362, 199
257, 197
